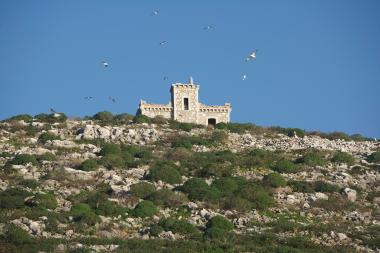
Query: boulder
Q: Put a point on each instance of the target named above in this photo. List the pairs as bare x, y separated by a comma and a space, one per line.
350, 194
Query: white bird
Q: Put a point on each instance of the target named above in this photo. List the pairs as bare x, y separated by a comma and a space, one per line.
252, 55
105, 64
243, 77
208, 27
163, 42
155, 12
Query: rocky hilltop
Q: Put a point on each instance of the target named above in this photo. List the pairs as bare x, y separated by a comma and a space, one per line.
135, 184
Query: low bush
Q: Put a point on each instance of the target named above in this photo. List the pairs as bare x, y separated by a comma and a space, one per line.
103, 116
274, 180
112, 161
142, 189
84, 214
284, 166
321, 186
88, 165
144, 209
220, 222
165, 171
167, 198
110, 149
226, 185
312, 158
142, 119
24, 117
342, 157
374, 157
23, 159
292, 132
155, 230
301, 186
47, 157
111, 208
180, 226
43, 200
17, 236
51, 118
198, 189
257, 195
13, 198
30, 183
47, 136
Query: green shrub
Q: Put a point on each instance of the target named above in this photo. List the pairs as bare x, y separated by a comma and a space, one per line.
301, 186
284, 166
112, 161
111, 208
24, 117
198, 189
22, 159
291, 132
216, 233
104, 116
274, 180
51, 118
180, 226
142, 189
30, 183
321, 186
182, 142
142, 119
219, 137
44, 137
237, 203
159, 120
144, 209
110, 149
83, 213
342, 157
13, 198
43, 200
16, 235
220, 222
89, 165
155, 230
165, 171
226, 185
257, 195
168, 198
47, 157
312, 158
374, 157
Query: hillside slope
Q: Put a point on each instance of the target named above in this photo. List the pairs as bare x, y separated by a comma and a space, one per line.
94, 186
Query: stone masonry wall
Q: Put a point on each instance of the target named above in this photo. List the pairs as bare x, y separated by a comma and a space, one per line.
179, 92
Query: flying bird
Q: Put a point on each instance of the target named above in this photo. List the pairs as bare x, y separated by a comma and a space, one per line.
163, 42
87, 98
105, 64
112, 99
155, 12
209, 27
52, 110
252, 55
243, 77
165, 78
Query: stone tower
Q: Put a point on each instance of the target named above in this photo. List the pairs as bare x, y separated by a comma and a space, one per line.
185, 107
184, 98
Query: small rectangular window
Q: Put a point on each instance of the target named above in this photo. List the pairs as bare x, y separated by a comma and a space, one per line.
186, 104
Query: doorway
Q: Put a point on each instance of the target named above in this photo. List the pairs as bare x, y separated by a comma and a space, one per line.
211, 122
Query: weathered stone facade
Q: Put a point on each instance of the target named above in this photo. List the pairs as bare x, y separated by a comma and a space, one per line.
185, 107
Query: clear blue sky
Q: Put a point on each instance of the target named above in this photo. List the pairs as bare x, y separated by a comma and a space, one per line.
317, 66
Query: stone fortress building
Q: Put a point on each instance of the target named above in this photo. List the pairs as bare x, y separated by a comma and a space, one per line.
185, 107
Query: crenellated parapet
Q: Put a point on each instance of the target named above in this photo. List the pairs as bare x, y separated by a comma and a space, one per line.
215, 108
